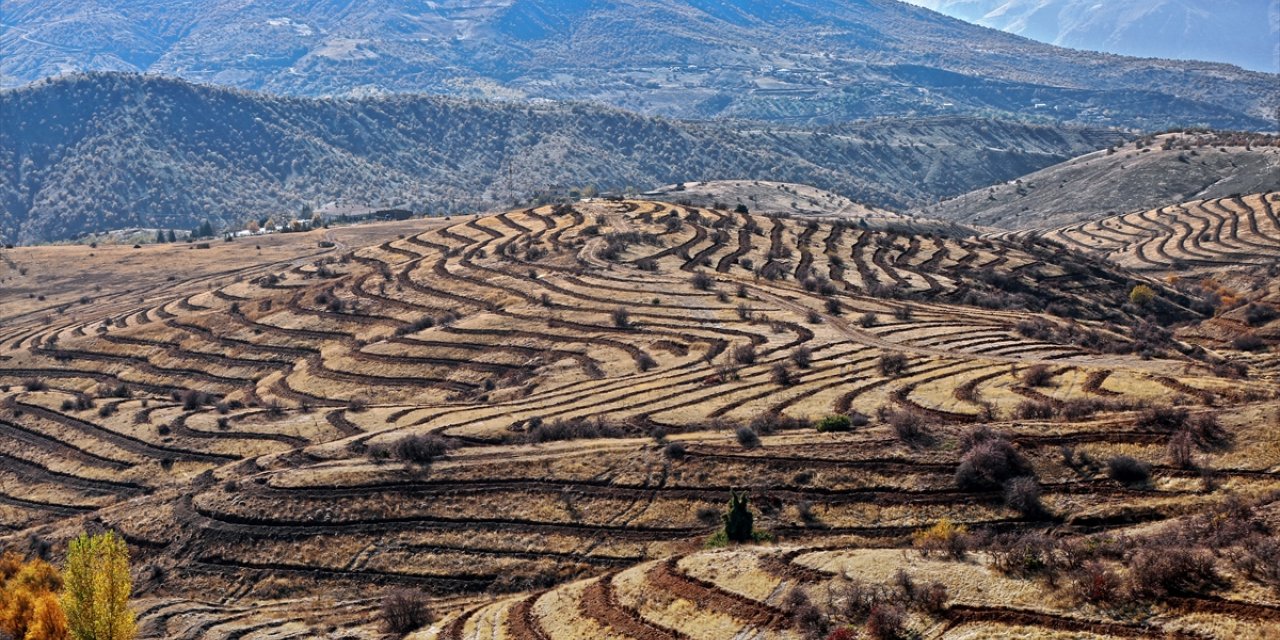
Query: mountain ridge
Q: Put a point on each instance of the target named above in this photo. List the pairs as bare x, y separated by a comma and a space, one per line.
109, 151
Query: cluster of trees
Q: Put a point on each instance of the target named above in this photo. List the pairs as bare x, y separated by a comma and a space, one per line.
87, 600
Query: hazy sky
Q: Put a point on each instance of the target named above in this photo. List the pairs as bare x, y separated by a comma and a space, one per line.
1241, 32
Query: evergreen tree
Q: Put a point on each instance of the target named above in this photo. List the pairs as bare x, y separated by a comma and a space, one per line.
173, 237
97, 586
738, 522
206, 230
160, 236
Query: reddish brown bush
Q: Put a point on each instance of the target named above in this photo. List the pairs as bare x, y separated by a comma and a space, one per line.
989, 461
909, 427
1095, 584
1159, 572
886, 622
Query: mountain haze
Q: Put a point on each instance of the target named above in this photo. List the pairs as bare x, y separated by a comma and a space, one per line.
796, 61
1240, 32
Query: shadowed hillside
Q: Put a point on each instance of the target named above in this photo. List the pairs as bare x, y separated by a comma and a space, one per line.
120, 151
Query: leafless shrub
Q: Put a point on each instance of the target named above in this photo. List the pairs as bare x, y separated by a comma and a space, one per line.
768, 423
702, 282
1022, 494
1037, 376
1096, 584
1258, 557
1026, 555
893, 365
573, 429
744, 354
1159, 572
886, 622
357, 404
1128, 470
419, 448
1033, 410
1182, 450
405, 611
801, 356
909, 427
1163, 418
621, 318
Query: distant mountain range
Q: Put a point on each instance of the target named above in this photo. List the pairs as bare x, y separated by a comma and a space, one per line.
1240, 32
793, 61
112, 151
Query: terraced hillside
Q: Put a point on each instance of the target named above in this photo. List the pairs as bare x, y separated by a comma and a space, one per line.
1224, 251
1220, 232
555, 402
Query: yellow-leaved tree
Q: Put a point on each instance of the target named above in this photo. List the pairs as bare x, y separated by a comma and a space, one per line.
96, 588
29, 608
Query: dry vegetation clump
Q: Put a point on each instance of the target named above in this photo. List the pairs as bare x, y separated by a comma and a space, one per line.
702, 282
572, 429
1128, 470
989, 462
621, 318
770, 423
893, 365
1034, 410
802, 357
418, 448
405, 611
853, 608
1037, 376
1257, 315
782, 376
674, 450
944, 538
909, 427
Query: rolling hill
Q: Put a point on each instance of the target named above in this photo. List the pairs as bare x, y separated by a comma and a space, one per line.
796, 61
534, 419
1136, 176
112, 151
